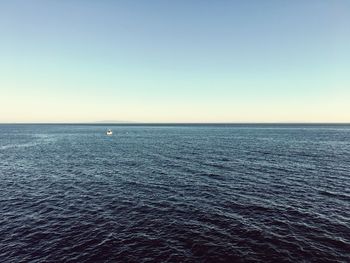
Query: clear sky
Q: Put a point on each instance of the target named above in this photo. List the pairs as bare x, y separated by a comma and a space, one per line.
175, 61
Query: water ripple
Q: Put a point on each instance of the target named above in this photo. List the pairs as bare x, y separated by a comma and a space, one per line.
174, 194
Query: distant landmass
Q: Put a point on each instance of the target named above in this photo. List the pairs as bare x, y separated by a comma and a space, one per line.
113, 121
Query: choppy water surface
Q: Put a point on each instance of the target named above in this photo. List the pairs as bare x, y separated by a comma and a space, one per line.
69, 193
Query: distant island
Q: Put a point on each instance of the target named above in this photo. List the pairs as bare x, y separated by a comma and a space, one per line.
114, 121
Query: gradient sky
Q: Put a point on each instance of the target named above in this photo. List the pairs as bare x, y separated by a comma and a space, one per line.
175, 61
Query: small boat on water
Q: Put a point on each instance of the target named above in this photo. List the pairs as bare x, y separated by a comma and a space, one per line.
109, 132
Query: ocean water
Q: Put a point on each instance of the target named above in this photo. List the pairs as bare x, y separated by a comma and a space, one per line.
176, 193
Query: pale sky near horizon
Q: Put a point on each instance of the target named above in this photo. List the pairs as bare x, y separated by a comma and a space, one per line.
175, 61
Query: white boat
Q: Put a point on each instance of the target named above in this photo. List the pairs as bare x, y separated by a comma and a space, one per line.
109, 132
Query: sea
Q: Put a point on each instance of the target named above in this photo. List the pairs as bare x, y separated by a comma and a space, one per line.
175, 193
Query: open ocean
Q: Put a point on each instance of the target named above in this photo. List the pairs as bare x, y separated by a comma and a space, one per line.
175, 193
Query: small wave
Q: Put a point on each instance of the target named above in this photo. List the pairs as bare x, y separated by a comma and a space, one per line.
22, 145
40, 140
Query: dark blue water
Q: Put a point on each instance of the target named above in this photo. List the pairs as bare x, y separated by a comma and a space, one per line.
254, 193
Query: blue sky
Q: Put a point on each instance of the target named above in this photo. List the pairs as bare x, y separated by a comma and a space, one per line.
175, 61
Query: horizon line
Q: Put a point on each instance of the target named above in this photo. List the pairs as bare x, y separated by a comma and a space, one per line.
168, 123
